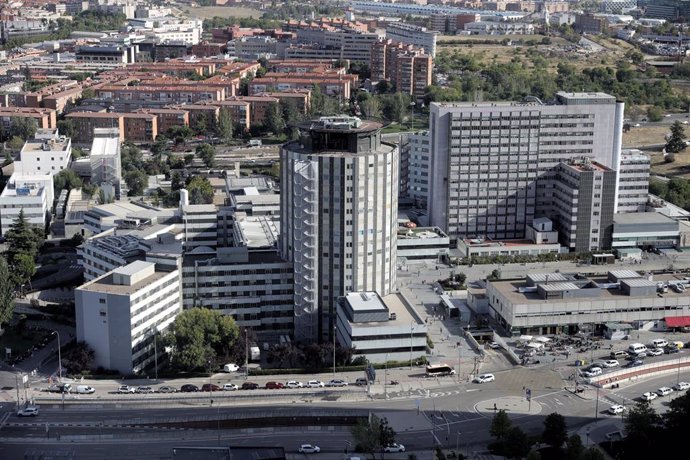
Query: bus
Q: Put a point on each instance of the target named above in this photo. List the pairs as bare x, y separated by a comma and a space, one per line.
437, 370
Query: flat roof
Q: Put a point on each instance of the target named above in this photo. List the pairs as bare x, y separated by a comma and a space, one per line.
555, 287
551, 277
365, 301
638, 282
106, 285
134, 267
625, 274
642, 218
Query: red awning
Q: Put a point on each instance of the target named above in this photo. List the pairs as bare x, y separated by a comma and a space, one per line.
677, 321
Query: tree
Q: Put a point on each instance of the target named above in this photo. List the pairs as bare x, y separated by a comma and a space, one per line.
640, 424
372, 435
654, 113
676, 141
516, 443
21, 239
384, 86
66, 179
16, 143
79, 358
500, 425
371, 107
23, 127
23, 268
207, 153
66, 128
593, 453
200, 190
200, 123
225, 128
6, 293
274, 121
555, 430
136, 181
574, 448
199, 337
175, 181
396, 106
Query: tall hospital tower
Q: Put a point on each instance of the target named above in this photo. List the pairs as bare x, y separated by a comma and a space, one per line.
339, 203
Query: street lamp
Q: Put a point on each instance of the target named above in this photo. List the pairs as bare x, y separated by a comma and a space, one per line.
155, 350
385, 379
246, 354
334, 351
412, 104
411, 330
59, 356
457, 442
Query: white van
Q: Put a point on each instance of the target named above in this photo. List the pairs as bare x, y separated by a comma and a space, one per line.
659, 343
85, 389
637, 348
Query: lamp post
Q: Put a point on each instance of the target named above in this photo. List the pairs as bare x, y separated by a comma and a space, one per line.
411, 330
246, 354
155, 350
333, 351
412, 104
59, 357
457, 441
385, 379
678, 374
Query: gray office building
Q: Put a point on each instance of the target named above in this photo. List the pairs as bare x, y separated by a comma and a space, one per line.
494, 165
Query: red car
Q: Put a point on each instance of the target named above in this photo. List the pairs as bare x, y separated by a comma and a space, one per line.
274, 386
210, 387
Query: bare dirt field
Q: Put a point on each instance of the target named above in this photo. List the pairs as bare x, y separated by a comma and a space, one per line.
645, 135
207, 12
679, 168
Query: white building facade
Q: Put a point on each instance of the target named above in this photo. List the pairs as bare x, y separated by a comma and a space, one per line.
46, 153
418, 168
28, 193
410, 34
493, 165
338, 217
119, 314
633, 181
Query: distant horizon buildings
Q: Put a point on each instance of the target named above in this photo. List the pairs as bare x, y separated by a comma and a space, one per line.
339, 206
493, 166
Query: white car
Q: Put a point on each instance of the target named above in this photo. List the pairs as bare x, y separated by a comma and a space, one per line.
616, 409
126, 389
337, 383
315, 384
655, 352
394, 448
231, 368
611, 363
230, 387
28, 412
294, 384
494, 345
309, 449
648, 396
484, 378
664, 391
681, 386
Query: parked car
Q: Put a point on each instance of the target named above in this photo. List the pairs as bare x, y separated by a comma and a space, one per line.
611, 363
361, 381
394, 448
616, 409
250, 386
655, 352
126, 389
144, 389
484, 378
167, 389
337, 383
294, 384
85, 390
309, 449
593, 372
189, 388
230, 387
671, 349
681, 386
30, 411
635, 363
664, 391
494, 346
315, 384
648, 396
274, 386
231, 368
210, 387
618, 354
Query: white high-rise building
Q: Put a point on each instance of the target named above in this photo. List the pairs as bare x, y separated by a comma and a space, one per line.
339, 202
418, 168
106, 163
494, 165
633, 181
119, 314
46, 153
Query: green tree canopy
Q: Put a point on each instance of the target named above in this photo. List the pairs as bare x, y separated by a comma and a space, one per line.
500, 425
555, 430
200, 190
23, 127
676, 141
372, 435
274, 121
6, 293
207, 153
225, 128
136, 181
200, 337
66, 179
